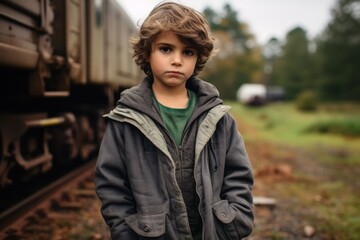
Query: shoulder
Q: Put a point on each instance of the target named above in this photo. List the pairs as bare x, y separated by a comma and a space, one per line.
227, 122
201, 86
137, 96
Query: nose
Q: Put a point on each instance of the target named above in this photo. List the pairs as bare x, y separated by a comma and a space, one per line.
177, 59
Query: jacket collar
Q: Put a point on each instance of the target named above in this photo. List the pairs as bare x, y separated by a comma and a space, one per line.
140, 96
147, 126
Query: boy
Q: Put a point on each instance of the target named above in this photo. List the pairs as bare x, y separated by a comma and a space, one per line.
172, 164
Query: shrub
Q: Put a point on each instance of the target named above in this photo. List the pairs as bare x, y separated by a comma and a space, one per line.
307, 101
346, 127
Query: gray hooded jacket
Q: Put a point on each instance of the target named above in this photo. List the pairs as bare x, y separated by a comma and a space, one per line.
136, 177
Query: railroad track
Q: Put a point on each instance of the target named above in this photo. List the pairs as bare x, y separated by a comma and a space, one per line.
58, 201
54, 211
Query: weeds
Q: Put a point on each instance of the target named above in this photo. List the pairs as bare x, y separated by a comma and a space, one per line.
346, 127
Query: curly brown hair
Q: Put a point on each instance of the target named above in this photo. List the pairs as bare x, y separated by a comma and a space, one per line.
188, 24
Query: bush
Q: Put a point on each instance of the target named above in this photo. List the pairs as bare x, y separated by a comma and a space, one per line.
307, 101
346, 127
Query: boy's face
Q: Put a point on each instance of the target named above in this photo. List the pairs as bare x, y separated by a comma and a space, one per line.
172, 61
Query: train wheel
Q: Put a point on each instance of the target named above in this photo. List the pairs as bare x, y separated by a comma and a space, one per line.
87, 137
65, 142
5, 166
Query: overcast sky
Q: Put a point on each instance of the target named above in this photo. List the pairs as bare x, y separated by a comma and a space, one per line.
266, 18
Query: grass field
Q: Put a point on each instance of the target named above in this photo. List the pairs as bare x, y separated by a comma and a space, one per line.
283, 123
313, 175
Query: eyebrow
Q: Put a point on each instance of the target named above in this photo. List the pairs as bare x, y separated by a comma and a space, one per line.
166, 44
172, 45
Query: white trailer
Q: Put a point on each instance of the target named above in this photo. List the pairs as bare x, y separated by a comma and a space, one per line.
252, 94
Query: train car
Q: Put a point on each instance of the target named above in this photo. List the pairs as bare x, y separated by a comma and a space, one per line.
62, 65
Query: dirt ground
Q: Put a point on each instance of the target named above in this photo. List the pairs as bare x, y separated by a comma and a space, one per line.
279, 170
273, 169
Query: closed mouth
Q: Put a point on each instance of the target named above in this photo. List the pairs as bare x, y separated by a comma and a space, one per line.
174, 72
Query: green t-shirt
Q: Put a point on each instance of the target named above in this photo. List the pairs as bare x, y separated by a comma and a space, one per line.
175, 119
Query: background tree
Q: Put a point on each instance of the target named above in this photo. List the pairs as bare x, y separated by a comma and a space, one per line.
212, 17
227, 21
294, 69
230, 73
339, 53
271, 52
239, 59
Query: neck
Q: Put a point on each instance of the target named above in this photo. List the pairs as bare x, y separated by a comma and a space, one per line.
171, 97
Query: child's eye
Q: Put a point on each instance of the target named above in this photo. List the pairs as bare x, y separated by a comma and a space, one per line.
165, 49
189, 52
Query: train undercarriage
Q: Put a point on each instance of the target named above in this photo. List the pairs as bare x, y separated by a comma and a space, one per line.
34, 141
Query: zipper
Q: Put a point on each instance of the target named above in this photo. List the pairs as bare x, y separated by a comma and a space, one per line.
180, 153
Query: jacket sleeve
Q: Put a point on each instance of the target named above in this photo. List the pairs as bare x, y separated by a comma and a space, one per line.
111, 182
238, 179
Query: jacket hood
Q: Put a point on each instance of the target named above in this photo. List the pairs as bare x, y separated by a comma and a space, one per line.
140, 97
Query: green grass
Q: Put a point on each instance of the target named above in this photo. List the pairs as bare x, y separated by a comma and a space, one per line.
283, 123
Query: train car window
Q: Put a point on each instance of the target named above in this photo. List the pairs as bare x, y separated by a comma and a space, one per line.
74, 37
122, 45
98, 13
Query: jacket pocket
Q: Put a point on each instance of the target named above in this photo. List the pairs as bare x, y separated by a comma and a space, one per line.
148, 225
226, 227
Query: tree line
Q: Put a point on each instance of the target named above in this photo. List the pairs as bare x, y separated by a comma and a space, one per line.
328, 66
